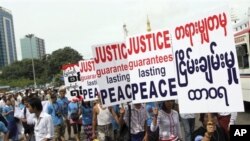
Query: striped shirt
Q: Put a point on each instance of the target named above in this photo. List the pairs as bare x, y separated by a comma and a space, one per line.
138, 119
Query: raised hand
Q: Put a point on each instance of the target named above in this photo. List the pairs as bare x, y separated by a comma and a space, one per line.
122, 110
155, 111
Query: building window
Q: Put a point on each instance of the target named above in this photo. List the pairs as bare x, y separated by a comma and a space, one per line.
242, 55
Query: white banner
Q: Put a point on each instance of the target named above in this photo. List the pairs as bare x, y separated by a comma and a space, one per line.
151, 67
206, 64
72, 80
112, 73
88, 85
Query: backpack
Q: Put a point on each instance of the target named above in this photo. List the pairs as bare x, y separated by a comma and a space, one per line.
74, 115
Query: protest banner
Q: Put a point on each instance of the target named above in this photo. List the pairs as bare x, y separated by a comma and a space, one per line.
151, 67
88, 84
206, 64
72, 80
112, 73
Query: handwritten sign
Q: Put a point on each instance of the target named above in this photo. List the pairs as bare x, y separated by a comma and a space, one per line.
206, 64
151, 67
72, 80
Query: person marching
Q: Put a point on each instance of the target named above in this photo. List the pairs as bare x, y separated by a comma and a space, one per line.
102, 119
168, 122
74, 112
63, 100
138, 123
56, 112
87, 119
43, 129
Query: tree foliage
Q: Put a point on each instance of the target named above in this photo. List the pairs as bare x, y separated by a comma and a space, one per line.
60, 57
20, 73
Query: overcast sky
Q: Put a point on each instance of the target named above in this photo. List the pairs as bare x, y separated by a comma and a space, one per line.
83, 23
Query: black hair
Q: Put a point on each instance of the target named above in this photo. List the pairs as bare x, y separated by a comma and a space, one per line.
85, 105
24, 99
163, 107
35, 102
53, 94
202, 116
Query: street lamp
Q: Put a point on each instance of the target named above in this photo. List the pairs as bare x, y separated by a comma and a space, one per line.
33, 67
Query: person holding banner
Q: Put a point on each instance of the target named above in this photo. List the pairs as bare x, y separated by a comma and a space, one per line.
168, 122
74, 112
209, 131
63, 100
102, 119
87, 119
152, 136
138, 129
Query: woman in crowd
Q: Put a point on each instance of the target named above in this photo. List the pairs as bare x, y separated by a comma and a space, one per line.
87, 119
209, 131
168, 122
74, 112
8, 113
26, 115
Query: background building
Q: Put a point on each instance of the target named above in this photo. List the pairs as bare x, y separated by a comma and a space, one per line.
7, 38
242, 24
32, 44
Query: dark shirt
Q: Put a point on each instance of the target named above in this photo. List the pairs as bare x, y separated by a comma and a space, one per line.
219, 134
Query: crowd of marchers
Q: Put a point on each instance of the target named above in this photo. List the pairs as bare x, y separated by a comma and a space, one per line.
44, 116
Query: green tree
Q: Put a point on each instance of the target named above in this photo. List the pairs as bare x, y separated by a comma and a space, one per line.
47, 69
22, 69
60, 57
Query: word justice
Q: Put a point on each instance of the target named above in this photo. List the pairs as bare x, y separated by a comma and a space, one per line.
87, 66
138, 44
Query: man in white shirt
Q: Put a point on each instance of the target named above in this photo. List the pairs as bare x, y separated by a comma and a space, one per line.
44, 129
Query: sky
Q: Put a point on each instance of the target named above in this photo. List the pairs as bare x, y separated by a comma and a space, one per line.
81, 24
